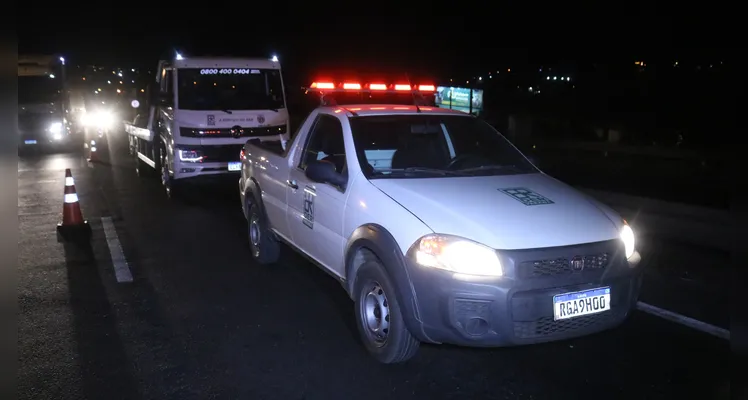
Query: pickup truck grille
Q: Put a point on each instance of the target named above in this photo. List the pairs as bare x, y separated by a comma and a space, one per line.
226, 132
563, 265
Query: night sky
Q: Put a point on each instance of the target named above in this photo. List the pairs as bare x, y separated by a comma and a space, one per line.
497, 36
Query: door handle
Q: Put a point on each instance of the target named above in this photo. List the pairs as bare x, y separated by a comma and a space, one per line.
292, 184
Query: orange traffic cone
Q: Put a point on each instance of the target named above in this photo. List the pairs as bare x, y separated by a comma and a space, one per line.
73, 226
93, 155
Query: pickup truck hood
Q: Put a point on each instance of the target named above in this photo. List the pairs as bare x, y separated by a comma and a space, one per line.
220, 119
504, 212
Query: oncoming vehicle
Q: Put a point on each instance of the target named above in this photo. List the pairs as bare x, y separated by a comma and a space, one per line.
438, 228
202, 111
43, 102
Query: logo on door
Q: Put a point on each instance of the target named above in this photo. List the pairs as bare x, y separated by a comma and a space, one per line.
308, 217
211, 120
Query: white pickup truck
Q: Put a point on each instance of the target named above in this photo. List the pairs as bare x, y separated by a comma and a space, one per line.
439, 229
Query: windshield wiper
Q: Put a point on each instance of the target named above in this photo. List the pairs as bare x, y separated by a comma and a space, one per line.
228, 111
493, 167
421, 169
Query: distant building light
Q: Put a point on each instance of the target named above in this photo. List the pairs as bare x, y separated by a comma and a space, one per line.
568, 79
52, 76
548, 78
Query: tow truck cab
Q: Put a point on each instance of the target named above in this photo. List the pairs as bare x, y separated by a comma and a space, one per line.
202, 111
438, 228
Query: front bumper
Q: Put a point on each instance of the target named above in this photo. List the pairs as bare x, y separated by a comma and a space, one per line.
517, 308
43, 141
216, 162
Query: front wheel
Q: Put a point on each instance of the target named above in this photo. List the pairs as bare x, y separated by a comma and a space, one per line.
379, 317
171, 185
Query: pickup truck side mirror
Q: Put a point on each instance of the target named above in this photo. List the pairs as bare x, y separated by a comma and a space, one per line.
324, 172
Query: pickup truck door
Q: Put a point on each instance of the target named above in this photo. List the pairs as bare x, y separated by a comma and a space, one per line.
316, 210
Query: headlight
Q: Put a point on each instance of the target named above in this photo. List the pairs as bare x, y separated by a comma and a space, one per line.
190, 155
456, 254
100, 119
628, 239
55, 127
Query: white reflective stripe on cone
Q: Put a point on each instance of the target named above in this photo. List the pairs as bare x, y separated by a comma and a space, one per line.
69, 181
71, 198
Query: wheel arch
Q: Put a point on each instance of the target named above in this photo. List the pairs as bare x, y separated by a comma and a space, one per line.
374, 241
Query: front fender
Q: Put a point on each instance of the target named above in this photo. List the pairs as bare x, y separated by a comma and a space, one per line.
379, 241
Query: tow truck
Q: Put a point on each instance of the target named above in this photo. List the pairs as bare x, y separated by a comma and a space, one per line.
436, 226
200, 113
43, 103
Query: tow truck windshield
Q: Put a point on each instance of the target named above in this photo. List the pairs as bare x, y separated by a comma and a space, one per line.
229, 89
38, 89
414, 146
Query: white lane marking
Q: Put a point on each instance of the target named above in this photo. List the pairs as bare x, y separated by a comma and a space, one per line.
121, 269
683, 320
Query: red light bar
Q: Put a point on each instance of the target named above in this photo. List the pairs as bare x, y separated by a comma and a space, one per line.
426, 88
323, 85
352, 86
377, 86
403, 87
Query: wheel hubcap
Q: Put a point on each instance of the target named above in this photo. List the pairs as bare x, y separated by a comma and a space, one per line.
376, 314
254, 234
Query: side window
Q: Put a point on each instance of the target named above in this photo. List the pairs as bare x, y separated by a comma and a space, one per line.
325, 143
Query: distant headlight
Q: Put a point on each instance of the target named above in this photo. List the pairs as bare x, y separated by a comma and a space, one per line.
99, 119
455, 254
628, 239
55, 127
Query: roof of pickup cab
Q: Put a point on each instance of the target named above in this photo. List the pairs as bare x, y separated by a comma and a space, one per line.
363, 110
225, 62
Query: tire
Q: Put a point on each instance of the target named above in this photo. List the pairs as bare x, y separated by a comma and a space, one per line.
383, 332
264, 247
172, 187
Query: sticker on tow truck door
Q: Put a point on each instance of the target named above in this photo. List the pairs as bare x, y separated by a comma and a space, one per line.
308, 218
526, 196
211, 120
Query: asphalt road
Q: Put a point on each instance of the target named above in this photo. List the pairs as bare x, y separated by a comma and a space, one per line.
201, 321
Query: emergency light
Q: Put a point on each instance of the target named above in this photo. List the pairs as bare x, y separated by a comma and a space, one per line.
329, 86
330, 92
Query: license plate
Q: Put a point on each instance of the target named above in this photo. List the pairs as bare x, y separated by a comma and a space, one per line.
235, 166
576, 304
29, 141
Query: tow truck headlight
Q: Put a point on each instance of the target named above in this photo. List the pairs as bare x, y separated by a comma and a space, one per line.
187, 155
628, 239
457, 255
55, 127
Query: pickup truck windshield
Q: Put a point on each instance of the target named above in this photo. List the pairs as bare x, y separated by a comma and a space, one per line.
229, 89
414, 146
39, 89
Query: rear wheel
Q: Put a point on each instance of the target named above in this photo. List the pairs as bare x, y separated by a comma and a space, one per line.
265, 248
379, 317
